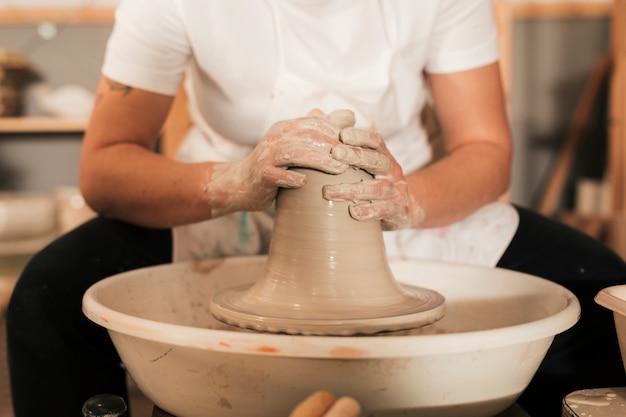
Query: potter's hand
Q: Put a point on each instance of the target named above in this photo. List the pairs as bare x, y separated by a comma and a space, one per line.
386, 196
251, 183
324, 404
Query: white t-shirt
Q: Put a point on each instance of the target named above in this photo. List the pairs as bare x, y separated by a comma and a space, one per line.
251, 63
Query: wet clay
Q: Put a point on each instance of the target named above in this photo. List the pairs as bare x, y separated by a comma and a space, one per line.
326, 273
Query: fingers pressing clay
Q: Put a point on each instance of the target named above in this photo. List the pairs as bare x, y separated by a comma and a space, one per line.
315, 405
393, 216
364, 149
344, 407
304, 156
374, 162
364, 138
360, 191
283, 178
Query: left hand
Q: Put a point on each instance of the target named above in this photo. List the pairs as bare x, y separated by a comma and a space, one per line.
386, 197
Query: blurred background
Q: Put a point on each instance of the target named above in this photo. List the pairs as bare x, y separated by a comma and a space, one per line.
550, 58
559, 67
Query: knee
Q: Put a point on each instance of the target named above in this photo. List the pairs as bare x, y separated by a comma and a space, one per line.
46, 297
29, 309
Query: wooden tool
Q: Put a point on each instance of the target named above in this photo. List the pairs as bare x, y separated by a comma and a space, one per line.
325, 404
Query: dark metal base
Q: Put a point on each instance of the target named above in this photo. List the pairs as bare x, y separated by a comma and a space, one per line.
514, 411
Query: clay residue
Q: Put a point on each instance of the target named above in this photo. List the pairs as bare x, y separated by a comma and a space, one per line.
205, 266
164, 354
348, 352
267, 349
599, 400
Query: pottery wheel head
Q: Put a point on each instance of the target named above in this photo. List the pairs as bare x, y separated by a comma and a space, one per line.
326, 273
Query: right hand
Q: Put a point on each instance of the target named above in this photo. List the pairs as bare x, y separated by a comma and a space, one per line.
324, 404
252, 183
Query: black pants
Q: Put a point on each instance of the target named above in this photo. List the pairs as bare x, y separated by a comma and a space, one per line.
58, 358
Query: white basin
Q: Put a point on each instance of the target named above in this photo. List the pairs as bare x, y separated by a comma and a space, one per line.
614, 298
474, 362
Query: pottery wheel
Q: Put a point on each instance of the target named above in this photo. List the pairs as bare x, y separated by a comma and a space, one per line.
326, 273
241, 307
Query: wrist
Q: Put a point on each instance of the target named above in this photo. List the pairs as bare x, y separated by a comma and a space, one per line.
418, 215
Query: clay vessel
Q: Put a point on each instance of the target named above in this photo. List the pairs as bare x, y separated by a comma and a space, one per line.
326, 273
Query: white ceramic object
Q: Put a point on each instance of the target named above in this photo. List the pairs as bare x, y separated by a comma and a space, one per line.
72, 210
71, 100
614, 298
474, 362
25, 216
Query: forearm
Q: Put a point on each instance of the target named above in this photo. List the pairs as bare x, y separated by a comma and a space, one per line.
130, 183
122, 177
460, 183
472, 113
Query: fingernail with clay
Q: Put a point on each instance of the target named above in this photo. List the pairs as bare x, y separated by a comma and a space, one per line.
344, 154
342, 118
332, 192
355, 137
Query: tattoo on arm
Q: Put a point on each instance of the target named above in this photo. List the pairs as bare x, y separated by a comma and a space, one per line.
114, 86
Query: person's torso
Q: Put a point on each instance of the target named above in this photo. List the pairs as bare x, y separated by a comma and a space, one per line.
278, 60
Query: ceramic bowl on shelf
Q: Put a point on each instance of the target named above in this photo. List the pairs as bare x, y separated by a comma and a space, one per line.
25, 215
27, 223
474, 362
72, 210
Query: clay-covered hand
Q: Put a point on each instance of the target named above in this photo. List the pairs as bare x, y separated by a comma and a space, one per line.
325, 404
251, 184
386, 197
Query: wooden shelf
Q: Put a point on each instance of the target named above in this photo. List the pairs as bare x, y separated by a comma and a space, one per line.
561, 9
60, 15
23, 125
531, 9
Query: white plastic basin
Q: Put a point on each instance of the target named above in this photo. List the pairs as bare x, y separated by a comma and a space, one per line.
475, 361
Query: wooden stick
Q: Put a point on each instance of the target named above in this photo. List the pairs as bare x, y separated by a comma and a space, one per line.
565, 157
59, 15
505, 23
315, 405
617, 100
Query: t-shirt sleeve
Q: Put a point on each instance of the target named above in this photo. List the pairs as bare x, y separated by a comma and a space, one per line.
464, 36
148, 47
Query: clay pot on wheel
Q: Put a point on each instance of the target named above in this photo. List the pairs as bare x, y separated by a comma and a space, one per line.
326, 273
